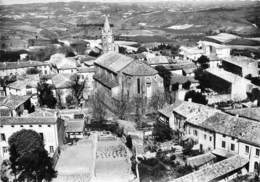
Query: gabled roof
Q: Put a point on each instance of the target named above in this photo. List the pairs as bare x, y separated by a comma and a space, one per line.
244, 129
13, 101
240, 60
214, 171
190, 109
250, 113
175, 78
62, 80
27, 120
75, 126
168, 110
113, 61
21, 64
62, 62
28, 81
139, 68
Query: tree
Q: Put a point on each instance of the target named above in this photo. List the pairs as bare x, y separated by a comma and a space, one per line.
29, 160
122, 105
45, 95
129, 143
203, 61
122, 50
158, 100
5, 171
98, 108
196, 97
77, 88
32, 71
162, 132
70, 101
166, 75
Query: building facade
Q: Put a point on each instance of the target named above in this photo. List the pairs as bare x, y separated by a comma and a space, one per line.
51, 129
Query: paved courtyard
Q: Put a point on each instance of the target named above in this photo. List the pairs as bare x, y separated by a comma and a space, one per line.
76, 162
112, 162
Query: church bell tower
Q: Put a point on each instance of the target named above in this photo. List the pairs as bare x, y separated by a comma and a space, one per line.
107, 38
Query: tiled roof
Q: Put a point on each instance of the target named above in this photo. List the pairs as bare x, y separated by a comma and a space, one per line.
62, 62
214, 171
26, 120
62, 80
250, 113
13, 101
200, 160
20, 64
167, 110
138, 68
225, 75
241, 128
191, 109
85, 70
106, 82
113, 61
158, 60
75, 126
29, 81
181, 65
240, 60
175, 78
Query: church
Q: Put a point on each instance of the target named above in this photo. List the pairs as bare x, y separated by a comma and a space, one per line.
117, 74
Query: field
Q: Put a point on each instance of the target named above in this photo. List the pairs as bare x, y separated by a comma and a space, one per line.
137, 22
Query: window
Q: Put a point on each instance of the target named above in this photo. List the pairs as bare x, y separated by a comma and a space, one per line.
205, 136
257, 152
51, 149
247, 149
232, 146
30, 125
41, 134
40, 125
5, 149
195, 132
138, 86
21, 126
210, 138
2, 137
49, 125
223, 144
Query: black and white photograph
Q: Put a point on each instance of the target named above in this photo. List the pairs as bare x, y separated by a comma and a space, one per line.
130, 90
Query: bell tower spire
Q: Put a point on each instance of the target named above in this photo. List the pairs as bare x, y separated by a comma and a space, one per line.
107, 38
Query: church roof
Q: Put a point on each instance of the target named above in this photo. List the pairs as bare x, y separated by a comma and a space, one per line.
139, 68
113, 61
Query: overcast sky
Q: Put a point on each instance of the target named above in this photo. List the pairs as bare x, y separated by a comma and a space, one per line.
45, 1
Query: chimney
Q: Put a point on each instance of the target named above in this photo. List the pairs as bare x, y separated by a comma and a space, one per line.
189, 99
237, 116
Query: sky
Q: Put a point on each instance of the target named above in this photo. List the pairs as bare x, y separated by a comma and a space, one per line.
45, 1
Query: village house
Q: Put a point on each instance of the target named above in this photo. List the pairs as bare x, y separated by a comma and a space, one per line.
235, 135
49, 125
21, 67
184, 117
62, 86
15, 106
190, 53
228, 83
23, 86
117, 74
241, 65
61, 64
